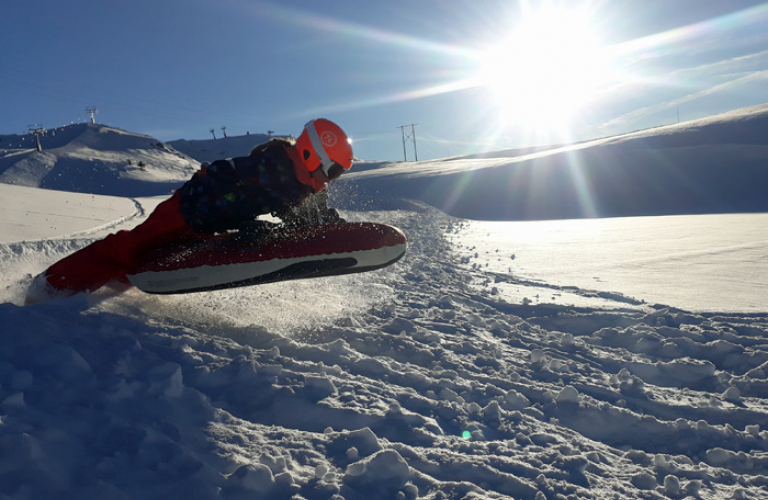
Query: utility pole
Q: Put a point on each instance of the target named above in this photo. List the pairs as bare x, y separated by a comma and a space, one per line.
409, 137
91, 110
37, 131
224, 129
214, 134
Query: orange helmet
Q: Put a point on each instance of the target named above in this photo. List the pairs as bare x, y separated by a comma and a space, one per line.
324, 145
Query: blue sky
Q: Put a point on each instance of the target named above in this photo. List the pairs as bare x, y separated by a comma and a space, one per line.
475, 75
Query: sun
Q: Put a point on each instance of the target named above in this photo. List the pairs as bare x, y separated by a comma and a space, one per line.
546, 70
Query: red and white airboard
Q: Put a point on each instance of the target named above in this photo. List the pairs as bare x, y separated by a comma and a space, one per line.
243, 259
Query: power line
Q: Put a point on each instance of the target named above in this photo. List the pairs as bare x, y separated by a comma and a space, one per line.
409, 137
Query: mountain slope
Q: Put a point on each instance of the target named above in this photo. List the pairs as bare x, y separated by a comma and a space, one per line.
216, 149
94, 159
713, 165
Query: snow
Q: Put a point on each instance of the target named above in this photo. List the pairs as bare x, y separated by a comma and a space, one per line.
31, 216
95, 159
714, 165
613, 358
214, 149
702, 263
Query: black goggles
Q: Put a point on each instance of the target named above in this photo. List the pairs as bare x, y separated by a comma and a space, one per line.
332, 170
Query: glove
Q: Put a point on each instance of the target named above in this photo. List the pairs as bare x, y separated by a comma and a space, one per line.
311, 217
331, 216
255, 229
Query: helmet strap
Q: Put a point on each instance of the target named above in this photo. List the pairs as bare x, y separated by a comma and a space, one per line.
317, 144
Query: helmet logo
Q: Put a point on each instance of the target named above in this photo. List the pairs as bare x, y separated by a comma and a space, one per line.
329, 139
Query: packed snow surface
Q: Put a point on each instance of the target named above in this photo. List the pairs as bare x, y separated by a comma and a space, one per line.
701, 263
526, 360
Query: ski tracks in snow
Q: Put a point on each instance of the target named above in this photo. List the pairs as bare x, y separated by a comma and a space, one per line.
441, 389
21, 260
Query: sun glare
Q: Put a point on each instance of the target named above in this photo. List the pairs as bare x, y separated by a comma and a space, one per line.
546, 70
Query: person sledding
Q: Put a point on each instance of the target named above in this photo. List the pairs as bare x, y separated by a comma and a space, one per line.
282, 177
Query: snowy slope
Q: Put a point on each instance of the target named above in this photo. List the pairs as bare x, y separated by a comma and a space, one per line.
696, 262
94, 159
32, 214
223, 147
423, 380
712, 165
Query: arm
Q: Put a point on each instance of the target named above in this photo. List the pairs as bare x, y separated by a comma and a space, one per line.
313, 210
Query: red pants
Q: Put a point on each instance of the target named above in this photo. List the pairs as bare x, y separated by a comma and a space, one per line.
111, 258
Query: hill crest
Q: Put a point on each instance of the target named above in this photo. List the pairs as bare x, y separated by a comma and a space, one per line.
96, 159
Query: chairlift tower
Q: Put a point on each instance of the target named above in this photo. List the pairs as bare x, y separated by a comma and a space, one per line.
409, 137
37, 131
92, 110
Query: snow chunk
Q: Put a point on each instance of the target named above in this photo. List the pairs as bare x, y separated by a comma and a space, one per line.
687, 370
538, 356
513, 400
319, 387
323, 473
446, 302
258, 481
732, 394
644, 481
385, 471
167, 380
398, 325
257, 478
448, 394
739, 494
66, 361
275, 464
492, 412
364, 443
569, 394
672, 486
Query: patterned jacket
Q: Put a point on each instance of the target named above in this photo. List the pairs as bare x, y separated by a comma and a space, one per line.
228, 193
